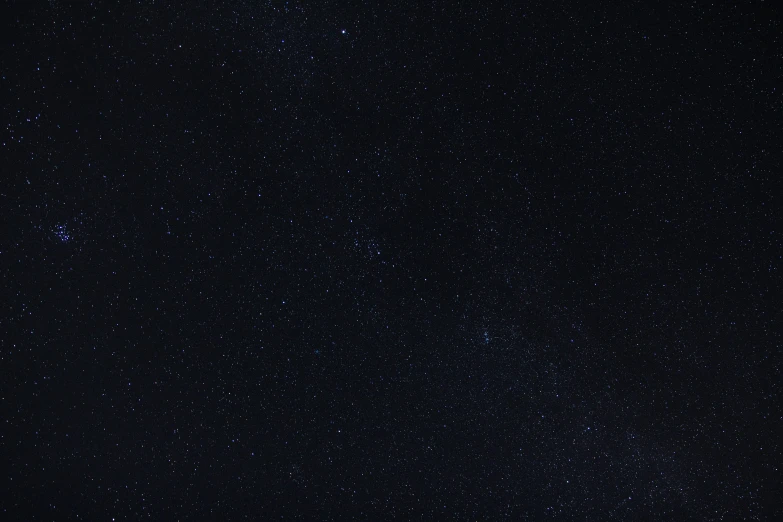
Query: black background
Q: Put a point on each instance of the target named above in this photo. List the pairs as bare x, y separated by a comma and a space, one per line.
438, 261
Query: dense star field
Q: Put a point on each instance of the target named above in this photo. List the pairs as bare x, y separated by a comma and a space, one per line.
441, 260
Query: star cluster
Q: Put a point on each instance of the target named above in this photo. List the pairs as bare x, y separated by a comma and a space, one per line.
61, 233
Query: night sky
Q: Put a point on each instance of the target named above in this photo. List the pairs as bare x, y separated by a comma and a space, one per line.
436, 261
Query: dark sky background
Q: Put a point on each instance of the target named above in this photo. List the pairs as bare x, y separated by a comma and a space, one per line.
443, 260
